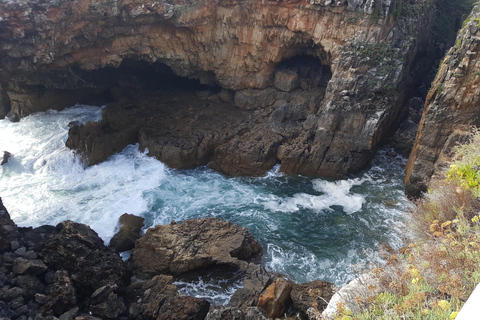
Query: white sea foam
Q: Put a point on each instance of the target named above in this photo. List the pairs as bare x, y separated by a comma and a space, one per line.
333, 193
311, 229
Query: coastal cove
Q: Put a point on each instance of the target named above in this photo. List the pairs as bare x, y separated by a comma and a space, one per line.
309, 228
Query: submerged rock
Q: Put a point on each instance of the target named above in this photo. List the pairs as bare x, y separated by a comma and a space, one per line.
6, 157
194, 244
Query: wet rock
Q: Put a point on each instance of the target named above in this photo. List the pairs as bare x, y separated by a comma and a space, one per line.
314, 294
24, 266
194, 244
232, 313
8, 230
255, 282
251, 154
77, 249
129, 232
276, 298
6, 157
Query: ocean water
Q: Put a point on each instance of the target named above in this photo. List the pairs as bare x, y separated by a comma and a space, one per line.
310, 228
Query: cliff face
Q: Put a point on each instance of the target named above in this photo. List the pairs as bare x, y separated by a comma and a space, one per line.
319, 85
451, 110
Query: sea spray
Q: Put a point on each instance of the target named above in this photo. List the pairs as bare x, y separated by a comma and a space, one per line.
310, 228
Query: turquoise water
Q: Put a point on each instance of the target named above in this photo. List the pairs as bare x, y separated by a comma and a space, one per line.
310, 228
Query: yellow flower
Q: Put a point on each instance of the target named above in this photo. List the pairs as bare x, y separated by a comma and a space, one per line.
443, 304
425, 311
415, 280
445, 224
414, 272
453, 315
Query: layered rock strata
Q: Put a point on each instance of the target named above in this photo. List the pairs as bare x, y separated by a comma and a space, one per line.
451, 110
320, 85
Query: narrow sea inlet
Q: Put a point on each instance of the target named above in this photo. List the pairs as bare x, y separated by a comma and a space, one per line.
309, 228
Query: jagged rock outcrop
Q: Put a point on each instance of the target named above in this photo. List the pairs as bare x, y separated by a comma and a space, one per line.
451, 109
348, 61
66, 272
79, 250
194, 244
9, 231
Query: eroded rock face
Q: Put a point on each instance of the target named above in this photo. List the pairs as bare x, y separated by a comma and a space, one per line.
194, 244
60, 51
451, 109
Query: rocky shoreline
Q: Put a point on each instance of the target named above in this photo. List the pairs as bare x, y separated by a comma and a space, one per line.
67, 272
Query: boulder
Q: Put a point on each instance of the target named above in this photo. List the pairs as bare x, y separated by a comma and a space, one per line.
106, 304
147, 296
77, 249
232, 313
8, 230
314, 294
130, 230
24, 266
255, 282
183, 308
286, 80
276, 298
194, 244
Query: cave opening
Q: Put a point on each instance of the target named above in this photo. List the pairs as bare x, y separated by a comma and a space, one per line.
302, 71
134, 79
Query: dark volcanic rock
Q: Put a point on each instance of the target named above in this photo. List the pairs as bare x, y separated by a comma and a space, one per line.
8, 230
194, 244
130, 231
78, 249
61, 295
35, 238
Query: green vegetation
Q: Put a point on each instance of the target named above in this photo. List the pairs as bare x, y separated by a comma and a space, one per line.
433, 276
376, 12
